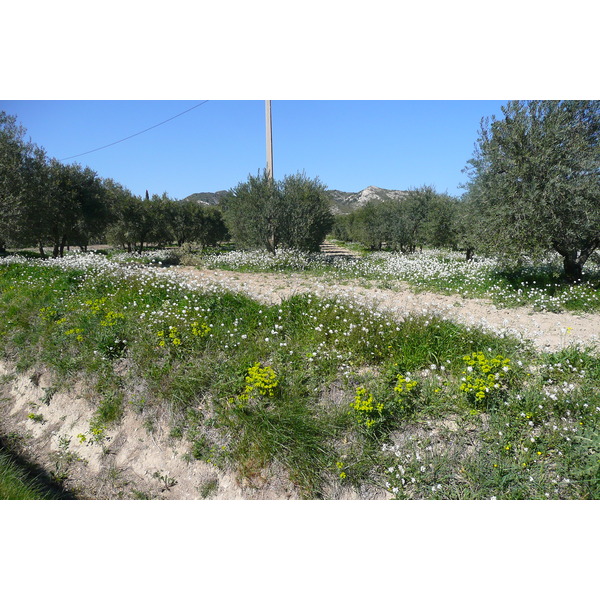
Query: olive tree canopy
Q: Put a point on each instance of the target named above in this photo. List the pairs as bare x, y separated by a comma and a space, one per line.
292, 213
534, 180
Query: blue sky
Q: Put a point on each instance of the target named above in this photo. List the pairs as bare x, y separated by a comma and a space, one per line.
348, 144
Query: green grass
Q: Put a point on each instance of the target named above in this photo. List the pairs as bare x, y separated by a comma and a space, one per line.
19, 481
265, 389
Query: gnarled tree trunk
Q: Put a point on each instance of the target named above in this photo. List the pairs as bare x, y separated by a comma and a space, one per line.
573, 260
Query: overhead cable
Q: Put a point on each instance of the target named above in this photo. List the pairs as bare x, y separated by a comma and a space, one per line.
138, 133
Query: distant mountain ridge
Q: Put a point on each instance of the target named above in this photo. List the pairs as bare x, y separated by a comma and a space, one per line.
344, 202
211, 198
341, 202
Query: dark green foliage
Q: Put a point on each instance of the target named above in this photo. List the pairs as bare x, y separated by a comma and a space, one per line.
307, 216
73, 207
193, 222
252, 211
15, 156
128, 221
534, 181
162, 220
422, 217
292, 213
45, 202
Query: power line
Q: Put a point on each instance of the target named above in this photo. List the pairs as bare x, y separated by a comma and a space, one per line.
138, 133
269, 139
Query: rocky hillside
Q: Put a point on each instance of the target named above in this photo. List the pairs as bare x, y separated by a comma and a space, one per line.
207, 197
342, 202
345, 202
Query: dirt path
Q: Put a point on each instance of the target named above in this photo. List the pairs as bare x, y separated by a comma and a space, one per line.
333, 250
548, 331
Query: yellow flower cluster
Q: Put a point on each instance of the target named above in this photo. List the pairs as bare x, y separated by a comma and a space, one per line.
261, 381
403, 389
404, 384
95, 306
174, 335
200, 329
366, 408
47, 314
110, 318
76, 332
483, 375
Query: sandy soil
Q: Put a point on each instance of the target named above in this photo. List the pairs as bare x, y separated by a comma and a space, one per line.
131, 461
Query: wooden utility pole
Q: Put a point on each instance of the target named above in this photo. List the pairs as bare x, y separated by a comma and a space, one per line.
269, 141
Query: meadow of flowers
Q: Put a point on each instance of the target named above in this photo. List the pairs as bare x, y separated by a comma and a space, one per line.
341, 396
440, 271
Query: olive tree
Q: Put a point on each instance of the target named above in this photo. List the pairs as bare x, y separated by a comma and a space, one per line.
126, 213
534, 181
421, 217
264, 213
441, 227
371, 225
17, 161
42, 200
307, 216
71, 206
252, 212
212, 229
193, 222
